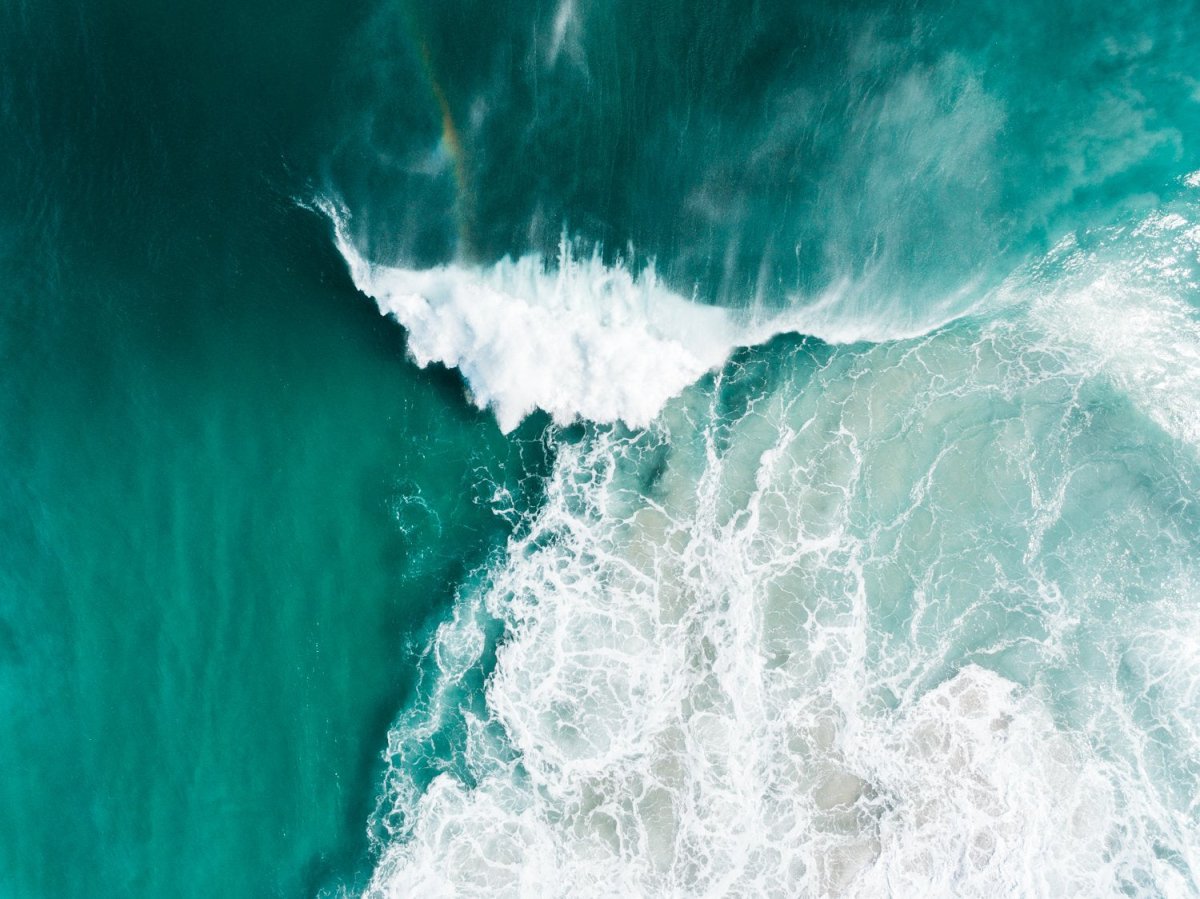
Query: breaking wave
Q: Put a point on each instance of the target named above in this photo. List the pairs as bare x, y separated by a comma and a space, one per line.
585, 339
912, 618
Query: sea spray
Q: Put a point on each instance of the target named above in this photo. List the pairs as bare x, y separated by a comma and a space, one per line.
582, 338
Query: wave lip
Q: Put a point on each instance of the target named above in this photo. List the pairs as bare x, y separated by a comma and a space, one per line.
584, 339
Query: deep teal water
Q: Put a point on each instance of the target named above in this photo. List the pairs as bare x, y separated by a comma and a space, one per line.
227, 502
282, 613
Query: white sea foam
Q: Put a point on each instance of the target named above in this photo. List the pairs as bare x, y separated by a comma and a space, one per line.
914, 618
1127, 303
585, 339
825, 645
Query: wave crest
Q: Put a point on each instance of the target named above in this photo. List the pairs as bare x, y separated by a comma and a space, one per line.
586, 339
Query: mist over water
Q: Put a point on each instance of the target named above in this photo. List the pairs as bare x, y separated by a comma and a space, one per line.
907, 155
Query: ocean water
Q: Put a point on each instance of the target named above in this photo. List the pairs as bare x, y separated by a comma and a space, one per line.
229, 506
775, 471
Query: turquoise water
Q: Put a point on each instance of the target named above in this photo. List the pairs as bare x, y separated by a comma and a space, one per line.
228, 504
780, 477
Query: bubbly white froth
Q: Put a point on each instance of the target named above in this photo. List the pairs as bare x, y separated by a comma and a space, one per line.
907, 619
1132, 316
584, 339
763, 674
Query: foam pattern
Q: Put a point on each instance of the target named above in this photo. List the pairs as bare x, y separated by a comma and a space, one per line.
914, 618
